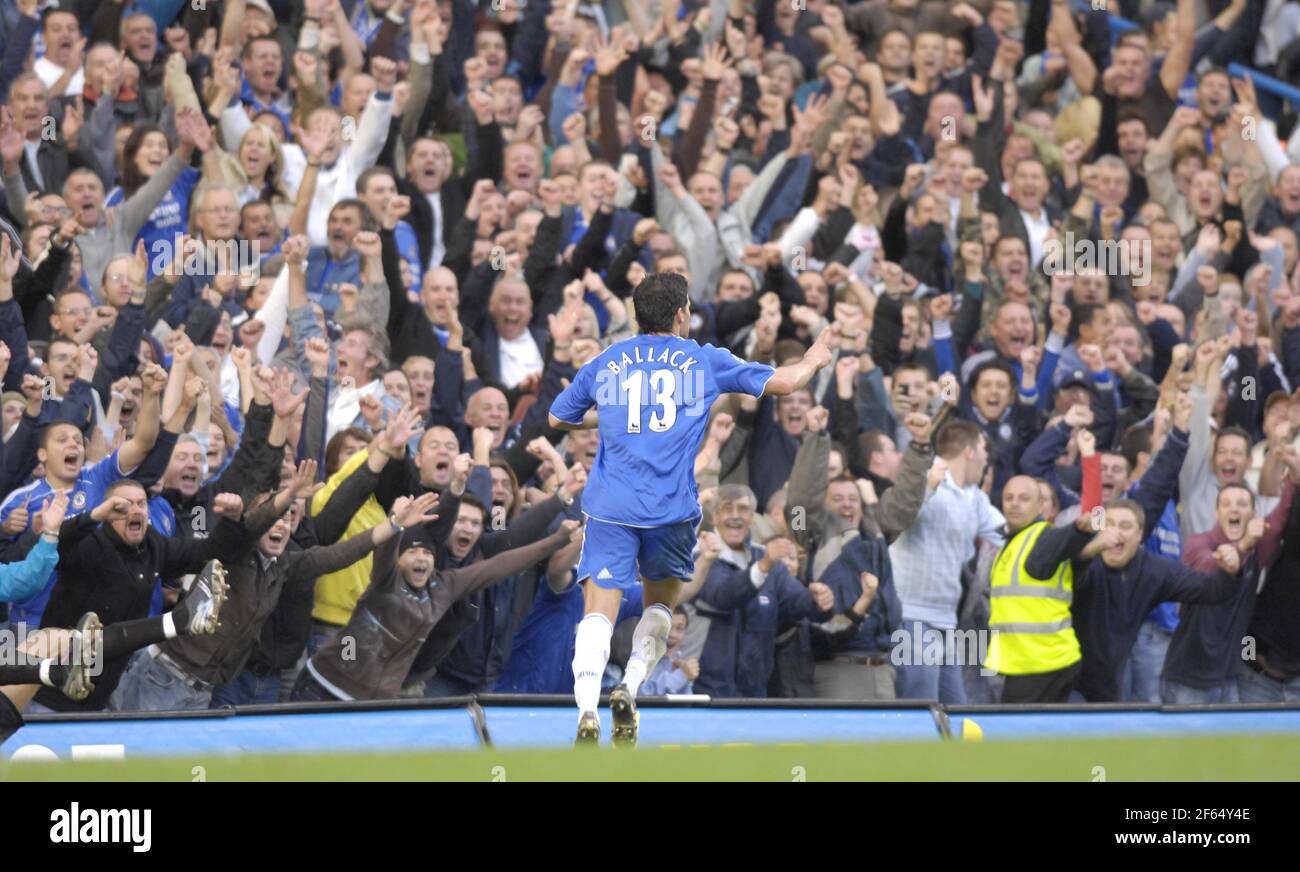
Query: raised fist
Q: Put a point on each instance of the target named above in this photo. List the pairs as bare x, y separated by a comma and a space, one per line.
1227, 558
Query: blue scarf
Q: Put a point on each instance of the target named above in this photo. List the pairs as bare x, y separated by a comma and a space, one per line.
250, 99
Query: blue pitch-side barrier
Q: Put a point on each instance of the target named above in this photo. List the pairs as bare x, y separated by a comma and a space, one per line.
514, 722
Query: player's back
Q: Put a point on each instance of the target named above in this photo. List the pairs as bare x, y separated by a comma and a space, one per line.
653, 393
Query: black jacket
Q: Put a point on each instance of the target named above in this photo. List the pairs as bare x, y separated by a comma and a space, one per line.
254, 469
1110, 606
99, 572
1273, 624
256, 582
285, 633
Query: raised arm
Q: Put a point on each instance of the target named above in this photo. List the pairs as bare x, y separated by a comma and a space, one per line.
793, 376
148, 419
1179, 58
479, 575
407, 512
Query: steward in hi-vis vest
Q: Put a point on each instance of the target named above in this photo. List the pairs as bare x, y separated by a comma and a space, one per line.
1031, 588
1030, 616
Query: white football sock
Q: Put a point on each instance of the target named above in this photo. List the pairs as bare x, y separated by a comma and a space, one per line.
649, 642
590, 656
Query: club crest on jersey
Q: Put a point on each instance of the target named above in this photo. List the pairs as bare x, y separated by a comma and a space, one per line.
79, 500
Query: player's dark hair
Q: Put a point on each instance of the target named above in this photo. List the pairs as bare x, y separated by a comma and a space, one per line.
657, 300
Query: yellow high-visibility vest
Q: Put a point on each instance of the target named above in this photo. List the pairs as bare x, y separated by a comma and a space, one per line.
337, 592
1029, 617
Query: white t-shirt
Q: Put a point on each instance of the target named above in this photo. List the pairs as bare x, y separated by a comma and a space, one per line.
519, 358
32, 148
1037, 226
50, 72
439, 232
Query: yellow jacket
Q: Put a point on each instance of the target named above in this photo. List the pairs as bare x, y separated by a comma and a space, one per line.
338, 592
1032, 629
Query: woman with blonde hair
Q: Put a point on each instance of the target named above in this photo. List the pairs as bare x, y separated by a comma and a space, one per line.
255, 170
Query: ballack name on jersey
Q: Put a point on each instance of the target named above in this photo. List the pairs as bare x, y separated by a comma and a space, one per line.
678, 359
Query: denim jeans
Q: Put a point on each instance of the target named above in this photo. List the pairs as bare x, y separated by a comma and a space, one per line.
1253, 686
1141, 676
981, 689
148, 686
321, 634
1174, 693
918, 677
248, 688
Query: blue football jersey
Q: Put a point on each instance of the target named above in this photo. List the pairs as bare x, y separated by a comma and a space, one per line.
653, 395
86, 493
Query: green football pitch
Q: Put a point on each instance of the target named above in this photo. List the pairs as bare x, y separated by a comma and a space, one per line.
1265, 758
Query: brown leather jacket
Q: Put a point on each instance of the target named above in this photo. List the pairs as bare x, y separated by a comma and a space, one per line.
371, 656
255, 586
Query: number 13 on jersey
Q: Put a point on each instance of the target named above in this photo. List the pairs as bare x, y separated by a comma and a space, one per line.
663, 390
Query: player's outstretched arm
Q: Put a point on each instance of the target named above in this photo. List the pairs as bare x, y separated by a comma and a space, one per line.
789, 378
589, 422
